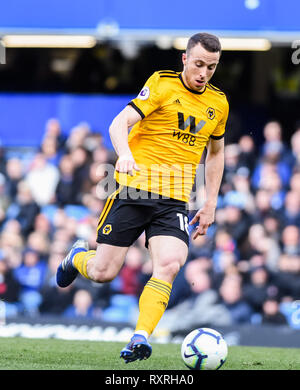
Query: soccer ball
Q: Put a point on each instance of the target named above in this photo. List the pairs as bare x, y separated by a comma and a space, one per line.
204, 349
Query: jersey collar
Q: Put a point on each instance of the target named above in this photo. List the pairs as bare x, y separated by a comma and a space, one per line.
189, 89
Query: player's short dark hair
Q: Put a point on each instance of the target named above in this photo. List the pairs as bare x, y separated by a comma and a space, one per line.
210, 42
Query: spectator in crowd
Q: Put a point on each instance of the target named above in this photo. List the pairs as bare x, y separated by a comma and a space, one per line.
42, 180
232, 153
290, 213
43, 225
258, 242
227, 261
290, 240
2, 158
236, 220
182, 287
270, 181
81, 307
14, 174
24, 209
53, 129
81, 162
295, 143
4, 198
272, 132
30, 275
94, 141
40, 242
259, 288
202, 246
272, 225
2, 216
244, 267
9, 288
95, 175
100, 154
232, 298
273, 139
56, 256
49, 149
287, 278
263, 206
247, 156
66, 191
242, 195
254, 243
56, 300
295, 182
12, 243
77, 136
271, 314
224, 243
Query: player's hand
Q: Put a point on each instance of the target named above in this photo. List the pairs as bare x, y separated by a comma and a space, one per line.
126, 164
205, 216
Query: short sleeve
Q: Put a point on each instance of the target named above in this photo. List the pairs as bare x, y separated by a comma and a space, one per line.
149, 99
219, 131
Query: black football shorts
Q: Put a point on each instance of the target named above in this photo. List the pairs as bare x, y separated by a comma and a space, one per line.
128, 213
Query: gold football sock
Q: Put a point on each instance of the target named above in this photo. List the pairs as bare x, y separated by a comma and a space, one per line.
152, 304
80, 261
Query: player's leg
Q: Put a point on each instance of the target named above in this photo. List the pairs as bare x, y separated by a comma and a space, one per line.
168, 254
100, 265
167, 238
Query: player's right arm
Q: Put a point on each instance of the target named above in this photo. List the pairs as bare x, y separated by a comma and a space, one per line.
118, 132
146, 102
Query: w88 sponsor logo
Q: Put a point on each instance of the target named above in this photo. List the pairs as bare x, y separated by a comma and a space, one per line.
189, 123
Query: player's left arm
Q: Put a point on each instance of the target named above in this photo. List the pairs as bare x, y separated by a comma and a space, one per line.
214, 167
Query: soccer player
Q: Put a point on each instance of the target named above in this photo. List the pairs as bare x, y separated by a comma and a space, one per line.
172, 120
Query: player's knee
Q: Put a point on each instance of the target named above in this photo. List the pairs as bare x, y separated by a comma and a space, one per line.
173, 268
103, 275
169, 266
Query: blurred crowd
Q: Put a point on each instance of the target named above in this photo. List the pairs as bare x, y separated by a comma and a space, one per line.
245, 270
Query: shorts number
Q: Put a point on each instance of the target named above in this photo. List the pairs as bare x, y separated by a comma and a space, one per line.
183, 222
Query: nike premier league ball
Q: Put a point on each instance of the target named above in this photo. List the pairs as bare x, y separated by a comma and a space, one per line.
204, 349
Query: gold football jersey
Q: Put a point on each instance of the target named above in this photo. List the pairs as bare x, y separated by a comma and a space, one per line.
177, 123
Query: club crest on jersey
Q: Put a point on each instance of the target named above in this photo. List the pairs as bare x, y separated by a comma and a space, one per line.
144, 94
107, 229
210, 113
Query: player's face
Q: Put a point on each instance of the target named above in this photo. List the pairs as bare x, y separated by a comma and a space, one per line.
199, 65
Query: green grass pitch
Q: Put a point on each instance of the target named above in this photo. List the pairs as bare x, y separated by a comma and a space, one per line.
53, 354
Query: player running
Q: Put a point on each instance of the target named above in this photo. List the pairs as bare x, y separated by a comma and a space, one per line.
174, 117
